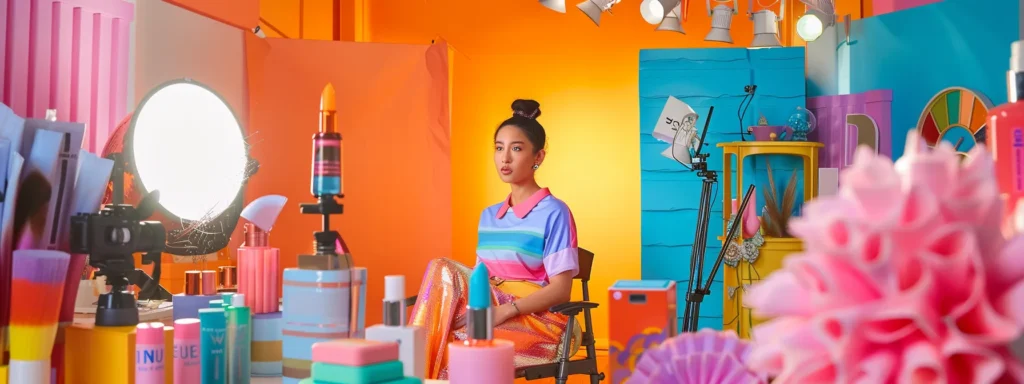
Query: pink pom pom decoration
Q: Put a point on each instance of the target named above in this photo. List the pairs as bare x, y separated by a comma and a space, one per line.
705, 357
905, 278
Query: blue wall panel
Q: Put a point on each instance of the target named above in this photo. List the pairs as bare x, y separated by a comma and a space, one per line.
670, 194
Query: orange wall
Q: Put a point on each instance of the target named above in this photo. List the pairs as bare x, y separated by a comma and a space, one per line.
585, 78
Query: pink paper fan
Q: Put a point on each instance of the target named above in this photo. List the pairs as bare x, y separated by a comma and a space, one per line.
705, 357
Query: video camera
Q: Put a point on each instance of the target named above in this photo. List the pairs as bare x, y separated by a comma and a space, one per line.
110, 238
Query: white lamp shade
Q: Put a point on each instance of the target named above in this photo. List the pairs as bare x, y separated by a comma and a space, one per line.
721, 21
654, 11
594, 8
554, 5
673, 21
766, 30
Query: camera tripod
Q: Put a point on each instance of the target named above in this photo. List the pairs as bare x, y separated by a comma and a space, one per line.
695, 291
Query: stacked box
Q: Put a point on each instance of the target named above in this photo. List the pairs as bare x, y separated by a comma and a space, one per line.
187, 306
357, 361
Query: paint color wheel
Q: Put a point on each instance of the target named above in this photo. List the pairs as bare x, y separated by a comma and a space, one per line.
952, 115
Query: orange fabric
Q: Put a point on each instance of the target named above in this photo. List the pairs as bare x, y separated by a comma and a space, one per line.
393, 116
244, 14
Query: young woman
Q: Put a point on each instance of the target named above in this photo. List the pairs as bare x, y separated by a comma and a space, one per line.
527, 242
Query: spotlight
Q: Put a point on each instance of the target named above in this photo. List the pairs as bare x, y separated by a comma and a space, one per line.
820, 15
766, 26
673, 21
554, 5
594, 8
721, 20
654, 11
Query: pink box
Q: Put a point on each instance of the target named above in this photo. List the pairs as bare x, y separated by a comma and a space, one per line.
840, 137
354, 352
68, 55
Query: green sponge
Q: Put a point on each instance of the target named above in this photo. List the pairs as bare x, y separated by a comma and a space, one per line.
369, 374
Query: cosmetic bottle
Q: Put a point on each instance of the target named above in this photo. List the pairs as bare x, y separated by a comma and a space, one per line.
149, 353
258, 263
326, 180
481, 358
239, 341
411, 339
213, 332
186, 352
1005, 130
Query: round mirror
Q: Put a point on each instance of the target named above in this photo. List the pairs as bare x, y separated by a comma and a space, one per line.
186, 143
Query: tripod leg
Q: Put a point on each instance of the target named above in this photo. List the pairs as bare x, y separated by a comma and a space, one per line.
700, 246
696, 254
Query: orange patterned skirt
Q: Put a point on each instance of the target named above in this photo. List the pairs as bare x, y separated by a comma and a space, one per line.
442, 302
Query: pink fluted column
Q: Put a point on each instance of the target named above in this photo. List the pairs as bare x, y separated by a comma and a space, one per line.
69, 55
881, 7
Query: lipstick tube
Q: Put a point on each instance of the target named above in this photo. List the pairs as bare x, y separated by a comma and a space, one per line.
481, 358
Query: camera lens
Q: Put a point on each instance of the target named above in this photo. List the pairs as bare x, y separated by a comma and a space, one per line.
151, 237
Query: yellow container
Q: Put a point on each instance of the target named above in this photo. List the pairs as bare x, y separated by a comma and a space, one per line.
106, 355
735, 315
3, 374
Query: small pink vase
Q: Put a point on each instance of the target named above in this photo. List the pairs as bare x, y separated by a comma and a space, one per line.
750, 224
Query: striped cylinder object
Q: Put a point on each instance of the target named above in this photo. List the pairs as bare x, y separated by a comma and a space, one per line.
266, 344
358, 316
316, 308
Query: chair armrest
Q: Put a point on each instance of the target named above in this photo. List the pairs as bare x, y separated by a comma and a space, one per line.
572, 308
410, 301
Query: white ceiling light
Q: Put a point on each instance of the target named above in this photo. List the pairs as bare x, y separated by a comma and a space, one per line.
594, 8
654, 11
721, 20
766, 26
673, 21
820, 14
554, 5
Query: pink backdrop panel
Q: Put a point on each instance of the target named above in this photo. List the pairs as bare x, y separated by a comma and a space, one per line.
68, 55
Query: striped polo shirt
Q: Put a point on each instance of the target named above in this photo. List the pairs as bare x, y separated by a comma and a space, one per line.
530, 241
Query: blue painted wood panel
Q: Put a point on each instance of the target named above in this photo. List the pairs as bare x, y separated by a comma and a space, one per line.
670, 193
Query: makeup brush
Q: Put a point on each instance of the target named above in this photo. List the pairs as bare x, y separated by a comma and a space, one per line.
37, 282
30, 210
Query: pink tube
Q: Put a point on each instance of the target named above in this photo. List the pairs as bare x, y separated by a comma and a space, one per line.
187, 369
149, 353
491, 363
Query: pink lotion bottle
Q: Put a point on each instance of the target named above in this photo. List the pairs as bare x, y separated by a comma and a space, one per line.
259, 274
149, 353
481, 358
186, 352
1005, 130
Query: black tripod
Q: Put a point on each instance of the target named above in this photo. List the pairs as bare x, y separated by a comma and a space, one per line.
695, 294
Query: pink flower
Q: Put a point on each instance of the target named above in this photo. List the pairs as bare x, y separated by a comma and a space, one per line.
905, 277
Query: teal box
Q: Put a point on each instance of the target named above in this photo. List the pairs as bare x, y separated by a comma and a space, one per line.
369, 374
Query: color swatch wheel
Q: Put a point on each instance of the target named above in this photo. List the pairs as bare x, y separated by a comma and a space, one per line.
953, 115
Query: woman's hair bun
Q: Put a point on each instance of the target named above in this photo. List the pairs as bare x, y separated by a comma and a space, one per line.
526, 108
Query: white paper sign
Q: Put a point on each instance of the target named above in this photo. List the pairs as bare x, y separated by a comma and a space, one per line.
676, 115
677, 123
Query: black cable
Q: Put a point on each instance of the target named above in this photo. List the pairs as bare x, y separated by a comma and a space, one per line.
741, 112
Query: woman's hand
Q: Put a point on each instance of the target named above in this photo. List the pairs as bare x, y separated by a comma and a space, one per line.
503, 313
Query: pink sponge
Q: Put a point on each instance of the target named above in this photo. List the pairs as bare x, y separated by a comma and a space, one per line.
354, 352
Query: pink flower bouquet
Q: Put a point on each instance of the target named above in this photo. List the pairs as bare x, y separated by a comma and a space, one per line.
906, 278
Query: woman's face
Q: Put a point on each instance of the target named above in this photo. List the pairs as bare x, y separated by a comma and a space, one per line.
514, 155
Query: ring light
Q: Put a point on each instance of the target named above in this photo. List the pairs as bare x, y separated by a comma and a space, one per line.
184, 141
